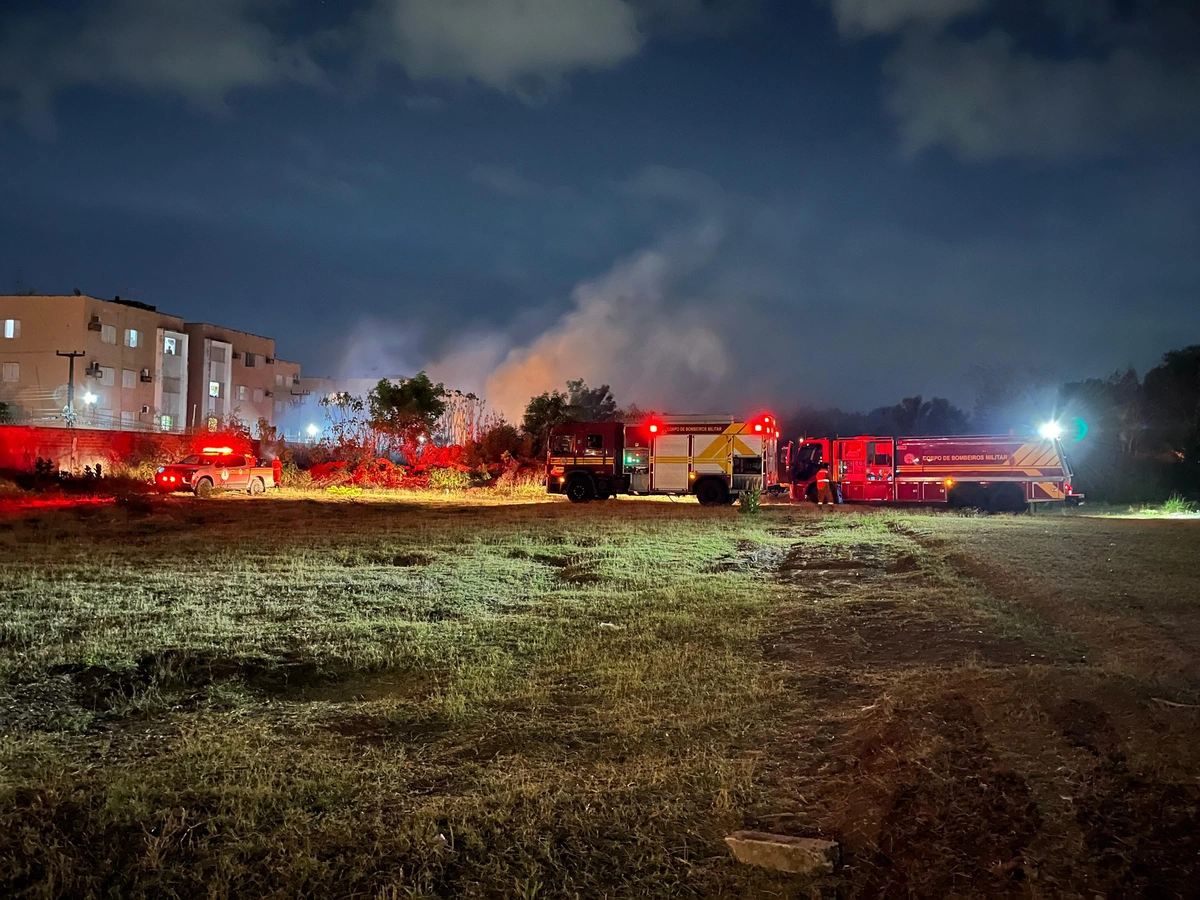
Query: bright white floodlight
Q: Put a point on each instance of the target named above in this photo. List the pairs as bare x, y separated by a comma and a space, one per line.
313, 431
1051, 431
89, 398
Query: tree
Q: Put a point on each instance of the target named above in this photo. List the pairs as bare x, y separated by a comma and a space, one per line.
541, 414
407, 411
1172, 391
917, 416
591, 404
579, 404
349, 431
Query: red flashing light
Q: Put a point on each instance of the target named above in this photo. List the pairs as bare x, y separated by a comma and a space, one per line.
758, 428
222, 451
653, 429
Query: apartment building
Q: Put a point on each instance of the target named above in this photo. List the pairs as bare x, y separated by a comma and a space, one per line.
236, 374
128, 372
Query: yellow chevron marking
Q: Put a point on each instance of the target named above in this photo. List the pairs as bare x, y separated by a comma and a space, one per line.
715, 450
741, 448
1052, 489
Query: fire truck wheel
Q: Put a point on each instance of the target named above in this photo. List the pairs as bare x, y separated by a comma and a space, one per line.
257, 487
204, 488
711, 492
579, 490
1006, 498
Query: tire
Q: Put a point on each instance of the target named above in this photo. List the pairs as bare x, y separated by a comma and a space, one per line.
204, 488
257, 487
966, 496
579, 490
1006, 498
711, 492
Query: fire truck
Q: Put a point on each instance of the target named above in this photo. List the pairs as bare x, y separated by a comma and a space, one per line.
714, 458
215, 467
998, 473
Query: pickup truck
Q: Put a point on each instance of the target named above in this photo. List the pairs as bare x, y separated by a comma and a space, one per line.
215, 467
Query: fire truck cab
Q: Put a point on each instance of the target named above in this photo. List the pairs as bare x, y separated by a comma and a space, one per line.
1002, 473
715, 458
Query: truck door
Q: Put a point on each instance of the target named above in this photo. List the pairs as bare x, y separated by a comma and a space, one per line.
880, 480
850, 470
670, 459
238, 473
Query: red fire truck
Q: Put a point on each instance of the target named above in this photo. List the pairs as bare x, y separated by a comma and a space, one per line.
715, 458
999, 473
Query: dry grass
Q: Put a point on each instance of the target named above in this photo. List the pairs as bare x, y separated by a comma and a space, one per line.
476, 696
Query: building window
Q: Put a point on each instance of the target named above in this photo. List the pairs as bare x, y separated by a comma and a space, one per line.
278, 380
127, 417
214, 389
105, 416
128, 378
251, 360
170, 347
258, 395
108, 334
12, 328
217, 354
164, 422
12, 372
278, 406
241, 392
108, 376
171, 385
131, 337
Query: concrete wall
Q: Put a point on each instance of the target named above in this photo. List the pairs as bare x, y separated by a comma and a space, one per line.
72, 449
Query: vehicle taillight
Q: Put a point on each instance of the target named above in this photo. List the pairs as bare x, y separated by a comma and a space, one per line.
1066, 488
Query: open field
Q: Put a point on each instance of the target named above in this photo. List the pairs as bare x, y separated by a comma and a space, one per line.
291, 697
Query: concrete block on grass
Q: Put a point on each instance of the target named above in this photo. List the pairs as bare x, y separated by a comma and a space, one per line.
802, 856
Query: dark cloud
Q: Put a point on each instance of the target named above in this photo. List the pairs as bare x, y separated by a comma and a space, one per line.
1099, 80
523, 47
861, 17
198, 49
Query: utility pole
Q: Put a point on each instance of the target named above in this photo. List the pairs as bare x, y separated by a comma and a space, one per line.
71, 357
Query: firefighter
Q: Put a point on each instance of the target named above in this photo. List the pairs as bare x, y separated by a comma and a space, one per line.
277, 471
824, 489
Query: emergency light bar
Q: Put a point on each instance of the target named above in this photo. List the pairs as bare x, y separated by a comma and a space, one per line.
218, 451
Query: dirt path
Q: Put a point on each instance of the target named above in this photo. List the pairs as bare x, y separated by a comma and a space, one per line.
971, 713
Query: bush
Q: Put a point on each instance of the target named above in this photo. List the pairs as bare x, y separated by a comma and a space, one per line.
1176, 505
751, 500
449, 479
294, 477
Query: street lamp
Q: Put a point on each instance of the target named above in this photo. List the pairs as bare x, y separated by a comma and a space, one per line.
89, 398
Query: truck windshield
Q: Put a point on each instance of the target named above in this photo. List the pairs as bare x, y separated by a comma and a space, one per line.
197, 460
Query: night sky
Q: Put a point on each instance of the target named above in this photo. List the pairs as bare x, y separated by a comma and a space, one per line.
708, 205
